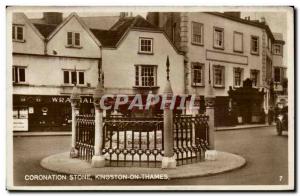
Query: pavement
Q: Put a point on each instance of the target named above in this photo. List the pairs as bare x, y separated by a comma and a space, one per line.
265, 152
62, 163
66, 133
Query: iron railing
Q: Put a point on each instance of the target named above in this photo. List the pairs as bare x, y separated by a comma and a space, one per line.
133, 141
85, 136
140, 141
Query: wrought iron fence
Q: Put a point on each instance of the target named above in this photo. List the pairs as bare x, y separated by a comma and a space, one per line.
190, 138
133, 141
85, 136
140, 141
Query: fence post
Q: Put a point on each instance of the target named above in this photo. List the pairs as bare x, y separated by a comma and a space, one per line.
75, 104
168, 160
98, 159
210, 111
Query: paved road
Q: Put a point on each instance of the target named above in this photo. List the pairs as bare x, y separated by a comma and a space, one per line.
265, 152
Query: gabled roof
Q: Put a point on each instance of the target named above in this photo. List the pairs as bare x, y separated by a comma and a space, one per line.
65, 21
28, 21
111, 37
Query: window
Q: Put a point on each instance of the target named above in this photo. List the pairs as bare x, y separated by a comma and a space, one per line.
238, 42
218, 37
197, 74
277, 49
18, 33
18, 74
254, 76
73, 39
238, 77
277, 74
219, 76
254, 45
73, 77
146, 45
197, 33
145, 75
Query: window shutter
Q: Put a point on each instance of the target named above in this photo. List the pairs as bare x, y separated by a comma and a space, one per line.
13, 32
203, 74
192, 73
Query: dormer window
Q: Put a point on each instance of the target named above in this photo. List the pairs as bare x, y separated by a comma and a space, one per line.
18, 33
146, 45
73, 39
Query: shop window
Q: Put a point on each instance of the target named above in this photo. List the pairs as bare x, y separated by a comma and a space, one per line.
145, 75
197, 74
238, 77
219, 76
218, 37
73, 77
73, 39
254, 76
238, 42
197, 33
146, 45
254, 44
19, 74
18, 33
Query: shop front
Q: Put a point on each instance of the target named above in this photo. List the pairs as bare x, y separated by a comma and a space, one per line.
46, 112
246, 104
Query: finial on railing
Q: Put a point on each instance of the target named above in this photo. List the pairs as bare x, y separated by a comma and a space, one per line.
168, 68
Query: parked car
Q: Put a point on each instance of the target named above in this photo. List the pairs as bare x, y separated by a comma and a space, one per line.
282, 120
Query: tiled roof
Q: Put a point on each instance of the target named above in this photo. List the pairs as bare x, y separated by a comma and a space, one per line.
45, 29
107, 37
100, 22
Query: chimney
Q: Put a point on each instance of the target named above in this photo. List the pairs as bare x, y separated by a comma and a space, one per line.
53, 17
123, 14
263, 20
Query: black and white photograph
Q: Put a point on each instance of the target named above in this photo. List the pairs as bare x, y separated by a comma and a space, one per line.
150, 98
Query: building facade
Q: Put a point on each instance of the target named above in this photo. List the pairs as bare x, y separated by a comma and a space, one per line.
53, 53
223, 50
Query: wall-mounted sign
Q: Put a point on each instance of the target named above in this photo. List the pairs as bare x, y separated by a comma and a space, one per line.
20, 124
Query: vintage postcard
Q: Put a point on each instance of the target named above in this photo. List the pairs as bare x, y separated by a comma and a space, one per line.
150, 98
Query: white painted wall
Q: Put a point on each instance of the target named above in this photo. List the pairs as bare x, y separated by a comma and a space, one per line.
33, 43
58, 42
44, 75
119, 69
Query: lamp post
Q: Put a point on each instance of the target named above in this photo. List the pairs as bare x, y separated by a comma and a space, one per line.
168, 160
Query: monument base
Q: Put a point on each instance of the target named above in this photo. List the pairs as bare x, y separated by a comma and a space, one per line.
98, 161
168, 163
74, 153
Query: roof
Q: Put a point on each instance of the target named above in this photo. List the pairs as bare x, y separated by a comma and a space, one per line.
111, 37
108, 31
249, 22
100, 22
45, 29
